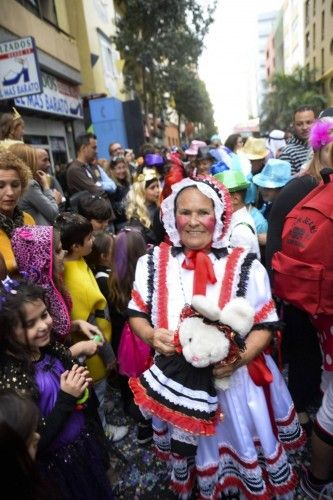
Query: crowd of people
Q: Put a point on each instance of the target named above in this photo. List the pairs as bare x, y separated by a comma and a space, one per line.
100, 266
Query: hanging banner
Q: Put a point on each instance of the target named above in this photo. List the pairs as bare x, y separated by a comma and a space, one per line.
19, 69
58, 97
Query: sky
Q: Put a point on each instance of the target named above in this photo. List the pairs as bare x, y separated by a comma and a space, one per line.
227, 64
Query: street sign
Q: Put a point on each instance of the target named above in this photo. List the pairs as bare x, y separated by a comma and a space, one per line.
19, 69
58, 97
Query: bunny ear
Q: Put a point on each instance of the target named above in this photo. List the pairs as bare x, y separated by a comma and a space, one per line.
204, 307
239, 315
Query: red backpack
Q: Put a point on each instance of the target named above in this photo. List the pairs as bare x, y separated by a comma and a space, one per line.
303, 269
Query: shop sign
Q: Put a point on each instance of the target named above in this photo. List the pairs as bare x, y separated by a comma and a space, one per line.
58, 97
19, 69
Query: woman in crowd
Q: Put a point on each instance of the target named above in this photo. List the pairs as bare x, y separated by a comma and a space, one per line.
14, 180
39, 200
247, 455
143, 202
11, 128
119, 172
234, 142
300, 343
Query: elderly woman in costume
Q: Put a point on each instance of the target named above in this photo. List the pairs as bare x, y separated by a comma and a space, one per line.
247, 454
14, 180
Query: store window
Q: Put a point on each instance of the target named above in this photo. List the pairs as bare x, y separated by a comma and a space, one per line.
36, 140
59, 150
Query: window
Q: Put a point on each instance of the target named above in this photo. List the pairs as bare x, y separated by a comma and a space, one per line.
322, 61
314, 36
307, 44
331, 46
45, 9
323, 25
314, 65
331, 84
109, 60
307, 8
314, 8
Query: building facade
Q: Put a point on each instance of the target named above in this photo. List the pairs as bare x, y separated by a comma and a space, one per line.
265, 24
293, 34
318, 23
53, 117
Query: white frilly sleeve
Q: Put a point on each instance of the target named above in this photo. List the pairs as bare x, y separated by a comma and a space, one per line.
259, 294
139, 297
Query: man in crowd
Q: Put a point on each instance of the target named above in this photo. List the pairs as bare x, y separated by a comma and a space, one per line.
297, 151
44, 164
116, 149
81, 175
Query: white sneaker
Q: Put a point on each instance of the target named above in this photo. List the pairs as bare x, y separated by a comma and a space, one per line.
115, 432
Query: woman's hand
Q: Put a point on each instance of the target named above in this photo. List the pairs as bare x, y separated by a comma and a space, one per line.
57, 196
89, 330
75, 381
163, 342
159, 338
256, 342
42, 179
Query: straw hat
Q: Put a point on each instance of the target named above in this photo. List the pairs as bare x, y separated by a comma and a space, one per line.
255, 149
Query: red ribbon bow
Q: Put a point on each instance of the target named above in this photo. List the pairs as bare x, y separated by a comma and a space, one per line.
199, 261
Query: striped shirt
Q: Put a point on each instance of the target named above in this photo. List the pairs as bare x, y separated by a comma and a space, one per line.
297, 152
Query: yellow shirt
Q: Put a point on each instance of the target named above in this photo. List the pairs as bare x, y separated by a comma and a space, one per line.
6, 246
87, 298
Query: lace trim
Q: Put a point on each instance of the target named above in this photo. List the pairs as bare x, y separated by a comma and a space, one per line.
150, 280
186, 423
139, 301
162, 289
244, 274
264, 312
229, 276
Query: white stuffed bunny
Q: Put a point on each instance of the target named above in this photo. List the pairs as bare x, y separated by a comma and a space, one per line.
205, 343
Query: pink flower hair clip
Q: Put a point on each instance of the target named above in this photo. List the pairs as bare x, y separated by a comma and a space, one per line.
321, 134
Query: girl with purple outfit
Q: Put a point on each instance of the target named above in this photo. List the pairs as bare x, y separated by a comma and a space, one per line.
72, 453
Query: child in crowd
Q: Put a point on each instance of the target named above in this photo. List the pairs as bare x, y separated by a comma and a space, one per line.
100, 259
97, 210
129, 246
242, 227
40, 258
88, 302
19, 417
72, 452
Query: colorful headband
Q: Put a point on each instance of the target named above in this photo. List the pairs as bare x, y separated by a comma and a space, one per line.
16, 115
153, 159
146, 175
8, 286
321, 134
